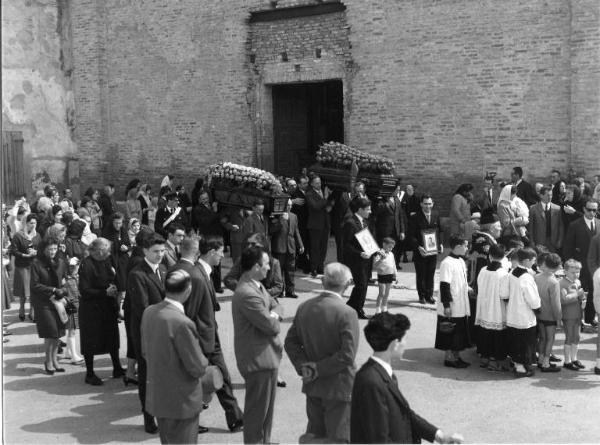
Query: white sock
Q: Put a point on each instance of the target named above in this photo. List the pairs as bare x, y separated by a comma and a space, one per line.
72, 348
384, 309
574, 348
378, 310
567, 354
520, 368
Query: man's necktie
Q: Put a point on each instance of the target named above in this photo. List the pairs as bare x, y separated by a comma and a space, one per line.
158, 273
592, 226
177, 254
490, 195
395, 379
548, 222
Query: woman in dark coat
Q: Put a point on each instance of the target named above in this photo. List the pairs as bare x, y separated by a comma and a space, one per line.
99, 310
116, 233
47, 274
75, 247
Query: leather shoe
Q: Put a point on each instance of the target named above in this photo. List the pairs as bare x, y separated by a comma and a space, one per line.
149, 424
118, 372
422, 300
465, 364
281, 384
236, 426
204, 406
554, 358
202, 429
313, 273
596, 370
362, 315
291, 296
571, 366
93, 380
549, 368
430, 300
220, 290
455, 364
578, 364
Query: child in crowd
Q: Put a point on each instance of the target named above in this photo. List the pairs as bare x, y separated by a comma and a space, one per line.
572, 297
385, 266
491, 312
72, 325
523, 300
452, 333
550, 309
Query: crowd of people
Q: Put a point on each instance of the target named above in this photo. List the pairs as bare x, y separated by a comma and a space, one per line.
86, 266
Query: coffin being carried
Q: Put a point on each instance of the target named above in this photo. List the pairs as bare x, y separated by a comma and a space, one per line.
340, 166
241, 186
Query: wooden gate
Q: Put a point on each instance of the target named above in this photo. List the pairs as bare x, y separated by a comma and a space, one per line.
13, 169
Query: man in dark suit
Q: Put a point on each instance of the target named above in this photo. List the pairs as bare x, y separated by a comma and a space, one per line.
425, 220
593, 258
200, 308
175, 363
390, 221
556, 180
300, 208
107, 203
488, 198
525, 190
577, 245
256, 327
172, 213
339, 213
175, 235
285, 243
545, 222
145, 287
380, 413
256, 221
354, 256
322, 344
319, 206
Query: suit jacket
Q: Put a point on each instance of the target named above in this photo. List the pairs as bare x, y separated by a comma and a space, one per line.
162, 215
526, 192
286, 235
483, 199
417, 223
273, 281
175, 362
380, 413
206, 221
199, 307
578, 240
593, 258
318, 216
144, 289
301, 211
325, 331
390, 220
170, 257
233, 217
256, 334
340, 210
537, 226
352, 248
252, 224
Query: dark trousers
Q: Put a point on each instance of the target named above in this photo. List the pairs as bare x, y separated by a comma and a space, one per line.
328, 419
288, 267
178, 430
261, 387
215, 276
339, 244
142, 374
360, 269
589, 313
303, 261
233, 413
318, 249
425, 271
522, 345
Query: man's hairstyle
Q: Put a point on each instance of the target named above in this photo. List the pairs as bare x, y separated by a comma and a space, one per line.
189, 245
398, 182
145, 232
553, 261
456, 240
357, 183
358, 203
258, 202
518, 171
383, 328
173, 227
98, 243
260, 239
556, 171
497, 251
30, 217
589, 200
177, 281
116, 215
209, 243
155, 238
336, 275
541, 258
544, 189
572, 264
315, 176
388, 240
250, 256
301, 177
178, 188
526, 253
425, 196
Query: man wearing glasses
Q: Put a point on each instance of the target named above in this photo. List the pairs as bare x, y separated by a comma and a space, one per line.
577, 245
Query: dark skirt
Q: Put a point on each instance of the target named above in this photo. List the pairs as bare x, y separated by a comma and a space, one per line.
492, 344
386, 279
127, 315
7, 295
22, 281
47, 321
522, 345
457, 340
98, 327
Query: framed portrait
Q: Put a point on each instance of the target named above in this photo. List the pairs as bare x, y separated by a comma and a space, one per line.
367, 242
430, 243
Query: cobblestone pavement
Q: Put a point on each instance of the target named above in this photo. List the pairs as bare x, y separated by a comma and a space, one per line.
483, 406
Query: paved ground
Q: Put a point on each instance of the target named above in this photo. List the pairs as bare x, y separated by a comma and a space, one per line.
483, 406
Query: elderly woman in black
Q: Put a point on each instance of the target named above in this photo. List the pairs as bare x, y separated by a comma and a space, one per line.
98, 310
116, 232
48, 272
75, 247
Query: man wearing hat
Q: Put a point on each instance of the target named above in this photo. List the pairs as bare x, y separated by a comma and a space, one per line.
171, 213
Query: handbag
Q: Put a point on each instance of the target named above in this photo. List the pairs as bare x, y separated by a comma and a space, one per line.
447, 326
70, 307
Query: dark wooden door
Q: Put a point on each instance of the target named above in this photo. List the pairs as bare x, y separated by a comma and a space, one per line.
13, 174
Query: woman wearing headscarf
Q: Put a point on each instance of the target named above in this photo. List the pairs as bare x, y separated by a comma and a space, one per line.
48, 271
99, 310
510, 222
58, 232
145, 200
132, 231
75, 247
460, 209
572, 207
93, 208
24, 247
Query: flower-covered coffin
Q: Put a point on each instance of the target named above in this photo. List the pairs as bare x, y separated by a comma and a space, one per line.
240, 186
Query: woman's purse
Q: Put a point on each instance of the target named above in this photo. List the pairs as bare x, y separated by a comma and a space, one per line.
447, 326
70, 307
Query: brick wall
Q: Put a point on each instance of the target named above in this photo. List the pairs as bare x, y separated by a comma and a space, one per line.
447, 88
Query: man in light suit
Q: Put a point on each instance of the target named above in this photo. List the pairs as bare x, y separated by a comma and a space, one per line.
380, 413
200, 308
322, 344
145, 287
175, 234
577, 245
256, 327
545, 222
285, 243
175, 363
319, 205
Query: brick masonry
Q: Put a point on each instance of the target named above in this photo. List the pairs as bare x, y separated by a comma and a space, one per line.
447, 88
